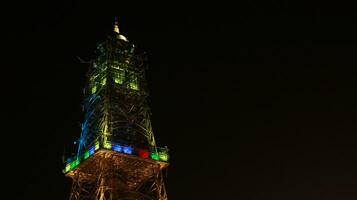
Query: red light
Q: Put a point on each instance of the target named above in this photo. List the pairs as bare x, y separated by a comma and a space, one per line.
143, 153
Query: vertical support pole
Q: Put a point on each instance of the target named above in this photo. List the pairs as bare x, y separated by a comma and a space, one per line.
76, 187
104, 189
161, 187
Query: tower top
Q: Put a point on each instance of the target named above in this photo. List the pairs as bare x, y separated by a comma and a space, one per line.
116, 30
116, 26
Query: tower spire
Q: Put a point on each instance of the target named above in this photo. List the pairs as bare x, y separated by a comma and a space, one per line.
116, 26
116, 30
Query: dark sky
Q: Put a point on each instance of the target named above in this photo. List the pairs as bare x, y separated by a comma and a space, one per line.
256, 100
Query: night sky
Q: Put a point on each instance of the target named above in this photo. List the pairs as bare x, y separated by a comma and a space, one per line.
255, 100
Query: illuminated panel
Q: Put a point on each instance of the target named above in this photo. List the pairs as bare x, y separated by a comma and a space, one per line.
143, 153
134, 84
104, 81
91, 150
119, 76
86, 155
155, 156
74, 163
127, 150
163, 156
96, 145
68, 167
94, 89
107, 145
117, 147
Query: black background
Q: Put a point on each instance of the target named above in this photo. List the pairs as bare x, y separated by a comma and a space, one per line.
256, 100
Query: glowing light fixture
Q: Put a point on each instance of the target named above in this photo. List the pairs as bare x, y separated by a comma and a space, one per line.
91, 150
134, 84
163, 156
94, 89
74, 163
86, 155
143, 153
116, 27
104, 81
128, 150
68, 167
119, 77
96, 145
117, 147
155, 156
107, 145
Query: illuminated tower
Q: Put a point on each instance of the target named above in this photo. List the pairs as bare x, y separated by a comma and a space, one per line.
117, 157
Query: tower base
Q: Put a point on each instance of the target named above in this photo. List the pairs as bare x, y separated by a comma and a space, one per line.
110, 175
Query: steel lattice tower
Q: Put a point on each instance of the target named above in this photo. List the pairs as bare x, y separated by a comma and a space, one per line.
117, 157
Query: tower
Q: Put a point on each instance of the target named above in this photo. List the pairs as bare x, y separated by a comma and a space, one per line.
117, 157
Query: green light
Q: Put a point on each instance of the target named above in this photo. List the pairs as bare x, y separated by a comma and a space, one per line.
74, 163
155, 156
164, 156
118, 80
104, 81
94, 89
119, 76
86, 155
134, 85
116, 65
96, 145
107, 145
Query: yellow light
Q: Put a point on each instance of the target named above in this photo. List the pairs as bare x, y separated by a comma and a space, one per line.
94, 89
68, 167
107, 145
104, 81
119, 77
134, 85
163, 156
116, 28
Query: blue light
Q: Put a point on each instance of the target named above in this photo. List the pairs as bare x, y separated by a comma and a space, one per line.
117, 147
91, 150
128, 150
